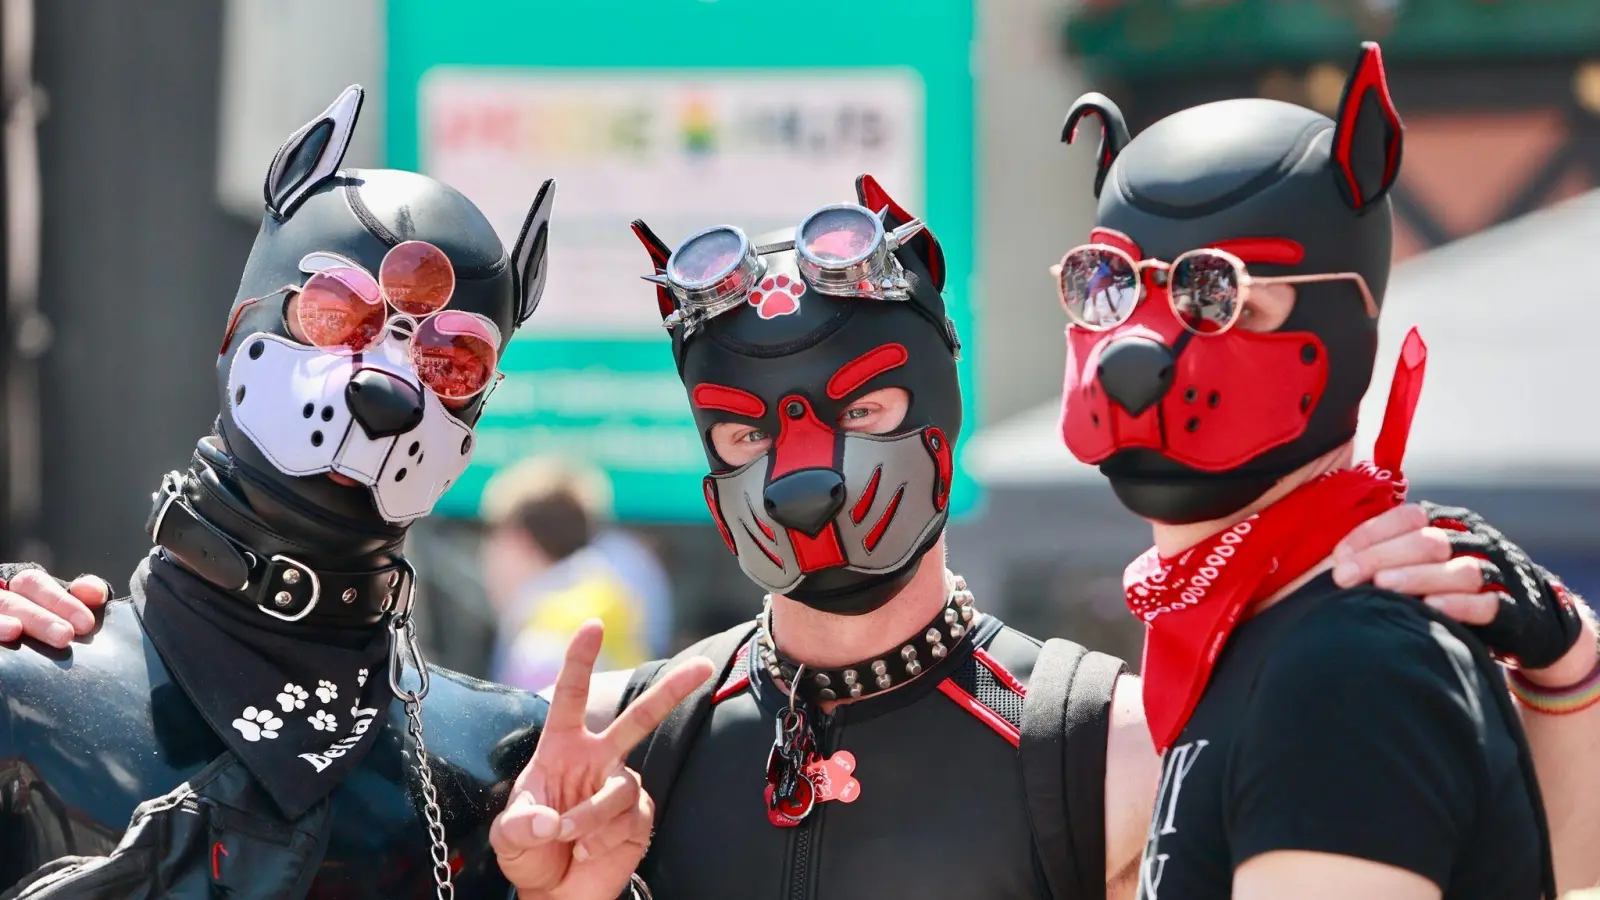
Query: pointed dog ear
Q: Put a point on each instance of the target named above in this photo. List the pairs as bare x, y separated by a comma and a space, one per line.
1113, 131
659, 254
528, 256
311, 155
1367, 139
923, 244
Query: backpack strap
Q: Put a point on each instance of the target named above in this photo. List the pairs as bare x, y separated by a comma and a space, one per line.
1066, 721
659, 757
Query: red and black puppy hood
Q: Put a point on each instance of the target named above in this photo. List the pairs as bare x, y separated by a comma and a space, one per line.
1190, 428
834, 519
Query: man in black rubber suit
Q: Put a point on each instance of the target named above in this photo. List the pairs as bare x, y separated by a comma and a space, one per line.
1321, 738
271, 625
874, 734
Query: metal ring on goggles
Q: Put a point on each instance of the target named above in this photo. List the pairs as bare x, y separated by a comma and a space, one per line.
842, 250
1099, 287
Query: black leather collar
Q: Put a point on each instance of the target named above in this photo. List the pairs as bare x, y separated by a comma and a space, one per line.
924, 650
278, 585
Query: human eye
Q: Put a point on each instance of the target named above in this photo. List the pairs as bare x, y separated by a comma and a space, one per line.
879, 412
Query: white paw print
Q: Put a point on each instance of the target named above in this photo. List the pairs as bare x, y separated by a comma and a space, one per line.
292, 698
256, 724
326, 691
323, 721
361, 678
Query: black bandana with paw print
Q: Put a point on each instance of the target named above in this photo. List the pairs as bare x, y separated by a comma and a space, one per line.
299, 706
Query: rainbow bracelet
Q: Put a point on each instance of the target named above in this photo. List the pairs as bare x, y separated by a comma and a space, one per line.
1556, 701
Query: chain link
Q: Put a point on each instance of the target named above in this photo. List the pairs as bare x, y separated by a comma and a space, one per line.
403, 642
430, 808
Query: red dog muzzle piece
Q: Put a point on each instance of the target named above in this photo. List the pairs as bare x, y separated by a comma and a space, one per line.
1211, 402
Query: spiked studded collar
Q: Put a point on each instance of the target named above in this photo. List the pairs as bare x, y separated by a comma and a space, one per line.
879, 673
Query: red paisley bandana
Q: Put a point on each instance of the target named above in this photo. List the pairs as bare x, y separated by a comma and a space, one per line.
1190, 603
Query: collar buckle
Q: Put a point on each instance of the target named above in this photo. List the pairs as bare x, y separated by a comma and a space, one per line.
166, 494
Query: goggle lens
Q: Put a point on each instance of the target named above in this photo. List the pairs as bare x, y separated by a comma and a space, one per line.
840, 236
341, 311
708, 258
1204, 291
454, 353
417, 278
1099, 287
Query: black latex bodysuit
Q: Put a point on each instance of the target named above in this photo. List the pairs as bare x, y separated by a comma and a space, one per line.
88, 733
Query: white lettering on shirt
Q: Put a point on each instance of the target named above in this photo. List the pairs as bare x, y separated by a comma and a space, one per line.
1179, 760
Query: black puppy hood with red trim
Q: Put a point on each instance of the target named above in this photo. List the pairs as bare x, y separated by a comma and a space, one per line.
837, 520
1192, 427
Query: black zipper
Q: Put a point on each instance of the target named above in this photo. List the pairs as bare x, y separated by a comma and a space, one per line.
802, 850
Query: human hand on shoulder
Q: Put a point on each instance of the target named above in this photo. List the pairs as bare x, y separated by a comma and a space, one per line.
36, 605
1462, 566
579, 820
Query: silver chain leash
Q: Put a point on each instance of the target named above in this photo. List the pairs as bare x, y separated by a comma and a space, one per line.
430, 799
402, 630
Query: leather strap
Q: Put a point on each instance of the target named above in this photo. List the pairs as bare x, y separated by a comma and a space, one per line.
1066, 720
278, 585
659, 757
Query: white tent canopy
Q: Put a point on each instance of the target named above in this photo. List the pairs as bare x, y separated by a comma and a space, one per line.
1511, 316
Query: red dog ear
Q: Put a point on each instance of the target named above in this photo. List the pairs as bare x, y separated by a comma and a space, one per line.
1367, 138
924, 245
659, 254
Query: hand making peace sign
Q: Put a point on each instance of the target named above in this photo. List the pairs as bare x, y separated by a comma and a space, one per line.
578, 821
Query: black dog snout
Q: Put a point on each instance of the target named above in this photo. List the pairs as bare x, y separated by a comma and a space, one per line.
382, 404
1135, 372
806, 500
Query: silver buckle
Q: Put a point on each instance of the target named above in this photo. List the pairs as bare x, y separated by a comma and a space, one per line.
316, 589
169, 487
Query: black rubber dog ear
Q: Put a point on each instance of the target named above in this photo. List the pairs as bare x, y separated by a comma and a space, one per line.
528, 257
659, 254
1113, 131
1368, 137
312, 154
923, 244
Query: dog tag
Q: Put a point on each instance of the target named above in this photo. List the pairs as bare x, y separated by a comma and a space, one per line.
832, 778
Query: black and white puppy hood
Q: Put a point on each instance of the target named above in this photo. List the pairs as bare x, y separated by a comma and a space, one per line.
293, 415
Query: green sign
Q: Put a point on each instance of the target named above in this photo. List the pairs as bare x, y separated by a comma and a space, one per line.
685, 113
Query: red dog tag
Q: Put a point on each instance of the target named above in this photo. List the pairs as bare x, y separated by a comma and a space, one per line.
788, 815
832, 779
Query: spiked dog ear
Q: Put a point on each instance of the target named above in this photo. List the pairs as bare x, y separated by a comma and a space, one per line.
1367, 138
528, 257
923, 245
659, 254
1113, 131
311, 155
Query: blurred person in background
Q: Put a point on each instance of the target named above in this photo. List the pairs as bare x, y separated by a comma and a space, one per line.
552, 560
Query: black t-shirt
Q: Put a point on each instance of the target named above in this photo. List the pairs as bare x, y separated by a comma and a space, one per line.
1345, 722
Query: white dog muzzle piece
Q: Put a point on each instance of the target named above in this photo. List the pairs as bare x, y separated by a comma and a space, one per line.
289, 399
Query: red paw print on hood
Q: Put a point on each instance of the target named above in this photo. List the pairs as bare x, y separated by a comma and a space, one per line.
778, 296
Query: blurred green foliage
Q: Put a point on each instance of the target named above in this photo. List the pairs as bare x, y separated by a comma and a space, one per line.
1157, 39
